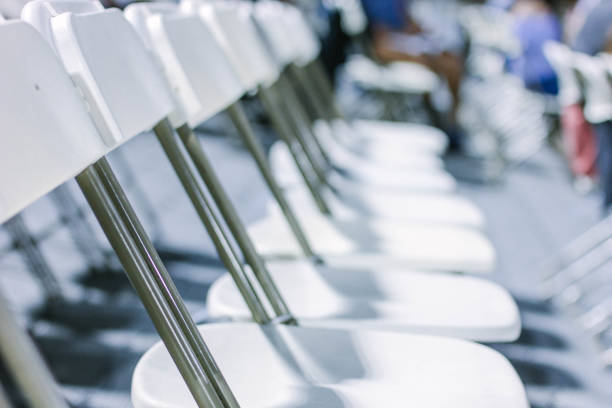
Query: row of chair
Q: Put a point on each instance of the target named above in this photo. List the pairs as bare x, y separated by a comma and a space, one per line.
349, 321
577, 284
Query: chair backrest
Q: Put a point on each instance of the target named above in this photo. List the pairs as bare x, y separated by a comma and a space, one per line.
47, 134
124, 87
597, 88
198, 71
232, 24
268, 17
354, 19
298, 30
560, 58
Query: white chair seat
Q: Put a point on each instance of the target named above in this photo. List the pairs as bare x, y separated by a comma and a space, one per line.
420, 145
372, 244
282, 366
381, 205
359, 171
402, 77
414, 181
353, 161
417, 302
389, 141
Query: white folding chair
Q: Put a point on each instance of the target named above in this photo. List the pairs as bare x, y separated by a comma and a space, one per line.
596, 87
345, 298
303, 366
560, 58
404, 78
300, 46
335, 239
50, 138
367, 200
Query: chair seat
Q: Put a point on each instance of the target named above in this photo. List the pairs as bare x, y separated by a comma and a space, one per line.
417, 302
283, 366
417, 207
361, 243
401, 77
417, 143
389, 141
359, 171
414, 181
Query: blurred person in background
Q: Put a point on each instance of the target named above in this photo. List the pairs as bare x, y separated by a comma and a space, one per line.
536, 22
578, 134
397, 36
593, 37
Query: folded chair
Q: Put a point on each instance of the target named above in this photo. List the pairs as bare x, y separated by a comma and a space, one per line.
303, 367
345, 298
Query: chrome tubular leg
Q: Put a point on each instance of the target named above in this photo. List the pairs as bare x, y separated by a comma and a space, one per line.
145, 283
165, 135
236, 113
230, 215
81, 233
28, 248
25, 365
284, 131
302, 129
4, 399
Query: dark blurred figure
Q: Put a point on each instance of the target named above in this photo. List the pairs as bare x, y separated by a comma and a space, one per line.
396, 36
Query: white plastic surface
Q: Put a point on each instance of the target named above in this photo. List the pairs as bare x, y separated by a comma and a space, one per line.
560, 58
415, 301
597, 88
375, 198
400, 77
280, 44
126, 91
303, 37
376, 243
234, 28
281, 366
381, 139
426, 208
47, 135
200, 75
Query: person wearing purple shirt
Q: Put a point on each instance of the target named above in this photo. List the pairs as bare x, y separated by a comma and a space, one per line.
535, 24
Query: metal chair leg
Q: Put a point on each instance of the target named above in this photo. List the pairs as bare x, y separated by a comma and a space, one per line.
146, 281
284, 131
81, 233
302, 129
579, 270
28, 248
136, 189
240, 121
25, 365
165, 135
228, 211
576, 249
4, 399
